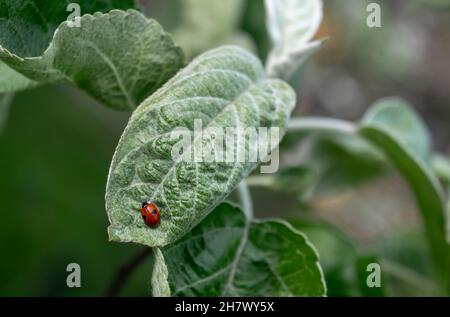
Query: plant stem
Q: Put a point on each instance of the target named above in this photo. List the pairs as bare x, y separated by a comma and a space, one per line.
260, 180
321, 124
409, 276
125, 271
246, 199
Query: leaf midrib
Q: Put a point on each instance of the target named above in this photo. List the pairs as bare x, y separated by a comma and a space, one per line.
225, 108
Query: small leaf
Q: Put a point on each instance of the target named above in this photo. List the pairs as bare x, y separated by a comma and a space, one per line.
227, 256
119, 58
291, 25
224, 88
408, 158
397, 116
160, 285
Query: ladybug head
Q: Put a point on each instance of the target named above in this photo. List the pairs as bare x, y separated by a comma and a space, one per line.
145, 203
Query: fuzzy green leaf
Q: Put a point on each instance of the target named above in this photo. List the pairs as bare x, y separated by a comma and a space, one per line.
36, 21
160, 285
227, 256
225, 88
381, 126
397, 116
291, 25
120, 57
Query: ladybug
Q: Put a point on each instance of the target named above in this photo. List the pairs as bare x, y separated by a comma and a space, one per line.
150, 214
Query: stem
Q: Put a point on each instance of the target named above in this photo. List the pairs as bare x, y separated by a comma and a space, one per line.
321, 124
260, 180
125, 271
246, 199
409, 276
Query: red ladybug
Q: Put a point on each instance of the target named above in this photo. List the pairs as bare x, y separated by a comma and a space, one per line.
150, 214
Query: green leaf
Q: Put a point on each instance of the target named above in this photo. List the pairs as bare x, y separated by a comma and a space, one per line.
291, 25
224, 87
120, 57
160, 285
207, 24
227, 256
397, 116
337, 255
37, 21
405, 156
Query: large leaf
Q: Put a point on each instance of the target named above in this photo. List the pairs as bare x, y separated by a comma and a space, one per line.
291, 25
228, 255
224, 87
119, 57
381, 127
27, 27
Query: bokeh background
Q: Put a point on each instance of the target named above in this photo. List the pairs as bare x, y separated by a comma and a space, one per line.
56, 144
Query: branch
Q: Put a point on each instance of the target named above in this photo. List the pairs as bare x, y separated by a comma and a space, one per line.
321, 124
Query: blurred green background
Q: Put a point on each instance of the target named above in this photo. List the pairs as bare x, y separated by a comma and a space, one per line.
56, 145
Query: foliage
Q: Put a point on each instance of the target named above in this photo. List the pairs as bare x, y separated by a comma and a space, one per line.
129, 62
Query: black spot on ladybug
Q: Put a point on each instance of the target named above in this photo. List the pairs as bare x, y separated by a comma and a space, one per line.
153, 212
144, 217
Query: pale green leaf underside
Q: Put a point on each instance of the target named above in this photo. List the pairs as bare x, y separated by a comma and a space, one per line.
160, 285
224, 87
227, 256
291, 25
396, 115
120, 57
